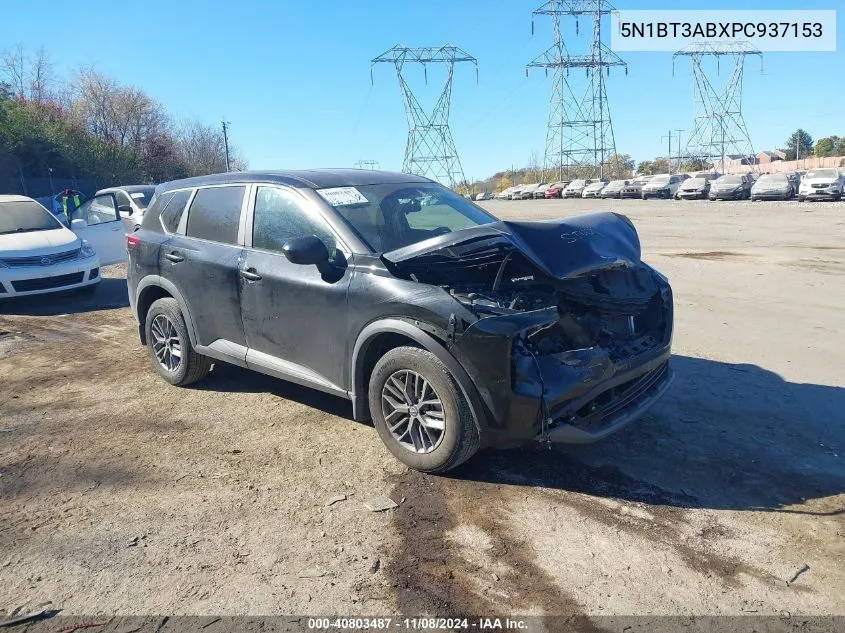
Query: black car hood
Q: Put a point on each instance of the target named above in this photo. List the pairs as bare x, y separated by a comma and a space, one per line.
562, 249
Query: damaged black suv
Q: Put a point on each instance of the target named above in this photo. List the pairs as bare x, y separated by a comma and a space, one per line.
451, 330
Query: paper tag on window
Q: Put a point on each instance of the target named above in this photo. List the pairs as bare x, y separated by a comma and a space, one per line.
137, 195
342, 196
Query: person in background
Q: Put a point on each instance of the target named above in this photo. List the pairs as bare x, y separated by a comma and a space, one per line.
70, 203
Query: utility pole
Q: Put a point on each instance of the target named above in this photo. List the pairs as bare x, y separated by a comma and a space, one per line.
669, 155
226, 125
679, 149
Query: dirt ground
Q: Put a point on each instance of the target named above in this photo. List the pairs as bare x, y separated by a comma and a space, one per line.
121, 494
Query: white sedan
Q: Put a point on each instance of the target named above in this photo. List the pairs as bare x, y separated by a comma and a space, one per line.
38, 254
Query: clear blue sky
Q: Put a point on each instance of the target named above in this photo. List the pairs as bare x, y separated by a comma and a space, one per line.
294, 77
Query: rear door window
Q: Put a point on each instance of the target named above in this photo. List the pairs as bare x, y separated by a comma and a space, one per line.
215, 214
174, 206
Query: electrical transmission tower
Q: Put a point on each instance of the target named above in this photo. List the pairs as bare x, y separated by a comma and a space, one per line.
367, 164
579, 137
719, 130
430, 150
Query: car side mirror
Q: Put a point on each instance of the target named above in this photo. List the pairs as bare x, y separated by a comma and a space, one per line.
125, 209
78, 223
307, 251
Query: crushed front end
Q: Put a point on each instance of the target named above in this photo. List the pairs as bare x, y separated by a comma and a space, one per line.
574, 331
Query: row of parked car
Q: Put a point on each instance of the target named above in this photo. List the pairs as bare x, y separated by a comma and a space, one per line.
817, 184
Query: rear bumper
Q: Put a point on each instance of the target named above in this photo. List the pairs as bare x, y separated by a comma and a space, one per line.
25, 281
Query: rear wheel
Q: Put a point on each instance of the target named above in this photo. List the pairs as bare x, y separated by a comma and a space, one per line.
419, 411
169, 345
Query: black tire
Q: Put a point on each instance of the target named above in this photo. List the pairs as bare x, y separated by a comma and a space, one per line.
192, 367
459, 440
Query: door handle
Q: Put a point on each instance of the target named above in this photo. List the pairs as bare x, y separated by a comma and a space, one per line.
250, 274
175, 257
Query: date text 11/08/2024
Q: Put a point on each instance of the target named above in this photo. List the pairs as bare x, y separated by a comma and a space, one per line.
417, 624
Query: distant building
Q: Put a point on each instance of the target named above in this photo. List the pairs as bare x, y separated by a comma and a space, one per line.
770, 156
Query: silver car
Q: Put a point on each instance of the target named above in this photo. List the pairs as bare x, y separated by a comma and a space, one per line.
132, 201
822, 184
772, 187
614, 188
594, 189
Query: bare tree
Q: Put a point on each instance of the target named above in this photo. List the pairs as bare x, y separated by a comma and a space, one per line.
41, 77
14, 65
124, 116
29, 78
201, 147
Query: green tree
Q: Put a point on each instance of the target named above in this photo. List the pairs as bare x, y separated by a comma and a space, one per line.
618, 167
830, 146
799, 142
650, 167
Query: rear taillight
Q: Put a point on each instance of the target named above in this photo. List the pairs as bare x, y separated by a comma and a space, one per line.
131, 242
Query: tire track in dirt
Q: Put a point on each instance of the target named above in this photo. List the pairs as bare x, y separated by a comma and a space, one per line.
436, 573
433, 576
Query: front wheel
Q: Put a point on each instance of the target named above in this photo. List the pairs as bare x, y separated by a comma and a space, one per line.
169, 345
419, 411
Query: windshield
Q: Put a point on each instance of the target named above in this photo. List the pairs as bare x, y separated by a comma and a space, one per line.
24, 216
773, 178
730, 180
595, 185
822, 173
692, 183
390, 216
577, 183
142, 197
615, 184
659, 180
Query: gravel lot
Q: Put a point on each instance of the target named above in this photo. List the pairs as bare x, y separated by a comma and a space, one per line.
122, 494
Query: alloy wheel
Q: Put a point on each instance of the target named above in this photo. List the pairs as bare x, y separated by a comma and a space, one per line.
166, 344
413, 412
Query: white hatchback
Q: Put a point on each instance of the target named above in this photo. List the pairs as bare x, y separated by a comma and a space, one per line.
38, 254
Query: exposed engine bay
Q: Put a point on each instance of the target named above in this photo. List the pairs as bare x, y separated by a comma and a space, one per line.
570, 332
617, 308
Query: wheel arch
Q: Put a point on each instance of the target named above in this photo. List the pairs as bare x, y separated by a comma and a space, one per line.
153, 288
379, 337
